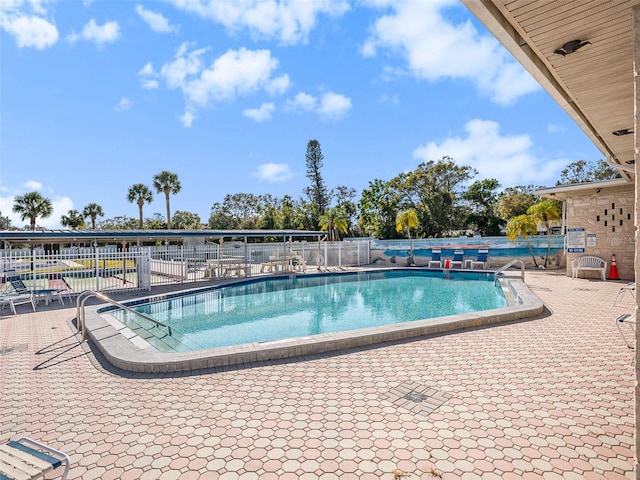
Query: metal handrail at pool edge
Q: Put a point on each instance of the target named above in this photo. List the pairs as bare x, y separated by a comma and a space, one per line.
86, 294
510, 264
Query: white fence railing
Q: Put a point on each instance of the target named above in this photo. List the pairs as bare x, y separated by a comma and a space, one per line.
108, 269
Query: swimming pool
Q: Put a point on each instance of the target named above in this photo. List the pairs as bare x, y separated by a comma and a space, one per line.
280, 308
132, 349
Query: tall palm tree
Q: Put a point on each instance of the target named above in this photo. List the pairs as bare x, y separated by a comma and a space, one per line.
32, 205
168, 183
139, 193
546, 213
405, 221
73, 219
334, 222
524, 226
93, 210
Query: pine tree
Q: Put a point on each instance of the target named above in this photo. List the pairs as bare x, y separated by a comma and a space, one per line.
317, 191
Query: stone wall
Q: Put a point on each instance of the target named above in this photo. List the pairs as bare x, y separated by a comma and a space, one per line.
609, 214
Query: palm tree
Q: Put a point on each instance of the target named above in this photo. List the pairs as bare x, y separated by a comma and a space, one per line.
140, 193
546, 213
405, 221
524, 226
32, 205
73, 219
93, 210
334, 222
168, 183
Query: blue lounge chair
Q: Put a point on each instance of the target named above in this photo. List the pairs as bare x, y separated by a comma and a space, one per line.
21, 289
28, 459
458, 259
436, 258
483, 259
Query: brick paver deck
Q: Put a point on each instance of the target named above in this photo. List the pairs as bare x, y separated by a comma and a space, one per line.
549, 398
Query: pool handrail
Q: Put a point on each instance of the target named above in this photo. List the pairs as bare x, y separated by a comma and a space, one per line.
510, 264
86, 294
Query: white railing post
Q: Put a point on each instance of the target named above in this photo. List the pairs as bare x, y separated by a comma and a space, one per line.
97, 270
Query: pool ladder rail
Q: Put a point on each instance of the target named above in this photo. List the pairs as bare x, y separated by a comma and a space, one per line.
80, 313
500, 271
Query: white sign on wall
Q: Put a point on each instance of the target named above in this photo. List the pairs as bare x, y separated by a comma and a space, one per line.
575, 240
591, 239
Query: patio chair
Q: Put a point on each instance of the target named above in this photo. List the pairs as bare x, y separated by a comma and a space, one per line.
27, 459
436, 258
483, 259
13, 300
628, 289
21, 289
627, 319
458, 259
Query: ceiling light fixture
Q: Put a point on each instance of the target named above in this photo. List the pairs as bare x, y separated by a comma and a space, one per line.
571, 47
624, 131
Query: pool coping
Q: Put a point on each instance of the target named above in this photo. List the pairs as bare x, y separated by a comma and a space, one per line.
122, 348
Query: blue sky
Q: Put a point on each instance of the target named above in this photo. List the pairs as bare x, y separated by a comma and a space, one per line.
98, 95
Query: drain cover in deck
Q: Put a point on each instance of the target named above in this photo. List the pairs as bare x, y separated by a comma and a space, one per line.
417, 399
20, 347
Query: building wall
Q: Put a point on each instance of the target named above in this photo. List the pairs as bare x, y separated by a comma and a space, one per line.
609, 214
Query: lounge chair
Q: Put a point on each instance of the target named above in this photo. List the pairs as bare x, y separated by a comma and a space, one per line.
436, 258
483, 259
27, 459
13, 300
21, 289
458, 259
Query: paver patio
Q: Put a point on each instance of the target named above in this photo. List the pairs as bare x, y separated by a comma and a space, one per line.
548, 398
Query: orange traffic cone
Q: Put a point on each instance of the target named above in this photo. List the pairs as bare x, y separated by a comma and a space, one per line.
613, 273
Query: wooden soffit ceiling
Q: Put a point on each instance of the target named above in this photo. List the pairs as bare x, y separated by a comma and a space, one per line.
594, 84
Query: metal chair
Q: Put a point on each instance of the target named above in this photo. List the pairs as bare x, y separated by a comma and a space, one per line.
626, 319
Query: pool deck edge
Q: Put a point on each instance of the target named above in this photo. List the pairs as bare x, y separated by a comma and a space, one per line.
120, 350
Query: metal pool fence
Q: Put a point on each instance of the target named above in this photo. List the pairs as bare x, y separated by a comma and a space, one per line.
110, 269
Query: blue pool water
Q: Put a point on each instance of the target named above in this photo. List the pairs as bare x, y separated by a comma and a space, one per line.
278, 308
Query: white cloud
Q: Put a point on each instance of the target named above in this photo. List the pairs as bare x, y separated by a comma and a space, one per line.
260, 114
334, 105
508, 158
288, 21
303, 101
187, 119
123, 104
434, 48
99, 34
149, 77
32, 185
155, 20
235, 73
273, 172
24, 21
278, 85
331, 105
551, 128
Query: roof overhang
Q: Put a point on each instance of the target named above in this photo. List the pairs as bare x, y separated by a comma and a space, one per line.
594, 85
562, 192
106, 236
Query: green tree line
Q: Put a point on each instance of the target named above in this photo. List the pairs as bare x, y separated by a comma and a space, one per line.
436, 199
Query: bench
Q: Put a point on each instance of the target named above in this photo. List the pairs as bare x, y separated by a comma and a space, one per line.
588, 263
